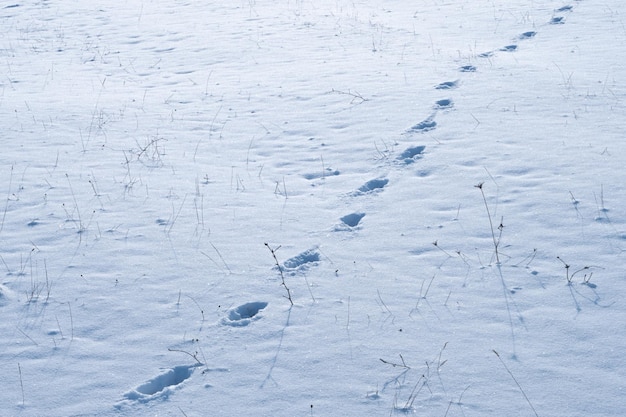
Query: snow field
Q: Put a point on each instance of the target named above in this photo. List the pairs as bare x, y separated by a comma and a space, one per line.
151, 149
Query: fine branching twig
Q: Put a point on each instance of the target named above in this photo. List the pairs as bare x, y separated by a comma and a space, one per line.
280, 270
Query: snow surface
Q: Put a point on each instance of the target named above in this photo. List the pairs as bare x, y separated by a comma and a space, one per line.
151, 149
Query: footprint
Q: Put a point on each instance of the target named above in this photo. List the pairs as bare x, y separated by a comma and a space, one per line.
412, 154
447, 85
486, 54
328, 172
557, 20
527, 35
467, 68
567, 8
425, 125
509, 48
162, 385
353, 219
372, 185
445, 103
302, 261
244, 314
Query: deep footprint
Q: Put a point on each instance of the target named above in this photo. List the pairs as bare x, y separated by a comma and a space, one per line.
244, 314
412, 154
372, 185
353, 219
445, 103
527, 35
302, 261
160, 386
447, 85
425, 125
468, 68
509, 48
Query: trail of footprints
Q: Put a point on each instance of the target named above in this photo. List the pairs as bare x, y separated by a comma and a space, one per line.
411, 154
167, 382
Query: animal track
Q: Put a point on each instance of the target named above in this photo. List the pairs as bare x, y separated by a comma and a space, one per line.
244, 314
509, 48
162, 385
557, 20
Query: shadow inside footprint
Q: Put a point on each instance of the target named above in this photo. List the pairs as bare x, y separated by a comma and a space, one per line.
372, 185
425, 125
527, 35
244, 314
447, 85
411, 154
445, 103
159, 386
468, 68
353, 219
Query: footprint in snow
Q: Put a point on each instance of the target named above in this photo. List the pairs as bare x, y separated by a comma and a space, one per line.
244, 314
509, 48
447, 85
302, 261
162, 385
468, 68
350, 221
411, 154
557, 20
443, 104
371, 186
527, 35
425, 125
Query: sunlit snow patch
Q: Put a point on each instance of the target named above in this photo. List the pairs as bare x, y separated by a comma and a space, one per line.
162, 385
244, 314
